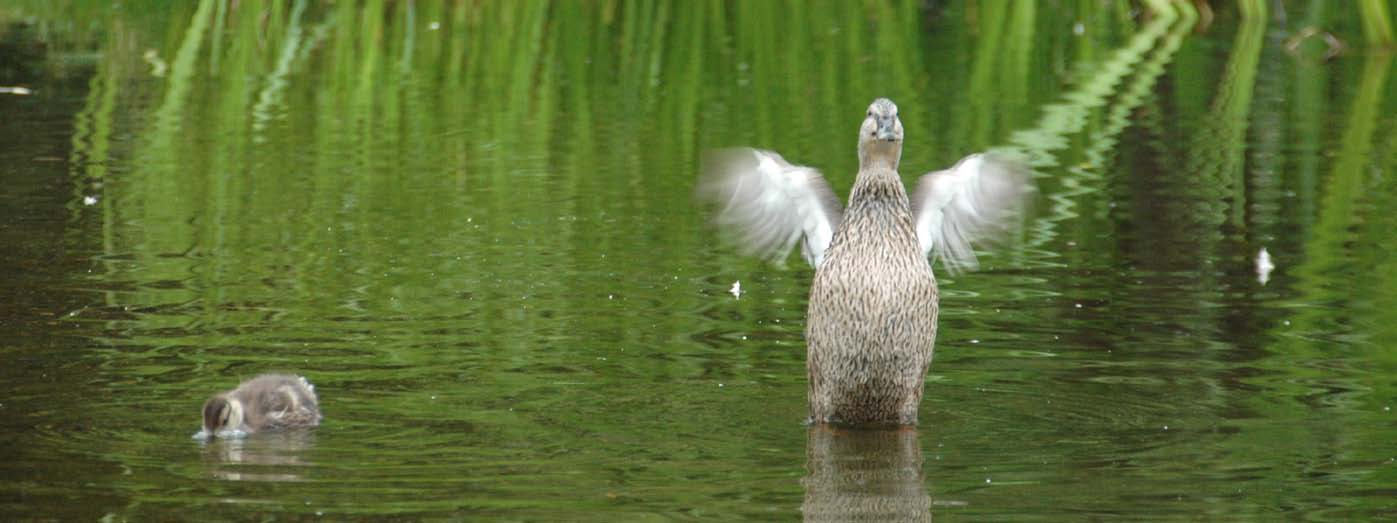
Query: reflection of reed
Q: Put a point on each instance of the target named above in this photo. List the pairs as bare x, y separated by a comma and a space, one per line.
1377, 25
92, 151
181, 78
1104, 140
1329, 241
1310, 102
1068, 117
383, 123
269, 99
1215, 160
864, 475
275, 456
1345, 185
1000, 71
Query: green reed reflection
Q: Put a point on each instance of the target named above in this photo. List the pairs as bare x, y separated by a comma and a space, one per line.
1219, 147
434, 93
1343, 204
1377, 22
385, 99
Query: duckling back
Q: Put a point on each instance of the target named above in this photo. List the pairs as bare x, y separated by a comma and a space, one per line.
278, 401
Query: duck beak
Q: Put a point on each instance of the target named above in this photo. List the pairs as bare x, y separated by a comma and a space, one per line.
887, 128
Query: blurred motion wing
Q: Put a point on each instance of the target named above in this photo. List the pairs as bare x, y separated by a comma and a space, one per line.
969, 202
770, 204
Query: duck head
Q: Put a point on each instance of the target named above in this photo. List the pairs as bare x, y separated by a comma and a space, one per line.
880, 137
222, 413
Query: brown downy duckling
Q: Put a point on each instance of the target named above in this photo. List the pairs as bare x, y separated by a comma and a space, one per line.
871, 322
267, 402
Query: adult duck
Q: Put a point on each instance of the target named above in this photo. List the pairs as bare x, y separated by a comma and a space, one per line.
871, 323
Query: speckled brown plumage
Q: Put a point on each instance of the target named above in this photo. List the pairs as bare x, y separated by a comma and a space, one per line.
872, 312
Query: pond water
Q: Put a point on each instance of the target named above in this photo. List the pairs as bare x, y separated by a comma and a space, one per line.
472, 226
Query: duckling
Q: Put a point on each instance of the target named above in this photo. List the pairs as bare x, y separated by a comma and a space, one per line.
266, 402
872, 314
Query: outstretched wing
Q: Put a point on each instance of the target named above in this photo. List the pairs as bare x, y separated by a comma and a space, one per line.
968, 202
770, 203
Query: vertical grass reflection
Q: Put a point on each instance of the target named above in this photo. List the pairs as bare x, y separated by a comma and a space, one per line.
293, 139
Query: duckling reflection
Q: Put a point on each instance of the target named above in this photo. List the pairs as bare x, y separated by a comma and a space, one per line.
273, 457
267, 402
864, 475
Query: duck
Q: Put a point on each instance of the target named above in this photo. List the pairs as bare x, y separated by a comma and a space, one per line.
871, 318
266, 402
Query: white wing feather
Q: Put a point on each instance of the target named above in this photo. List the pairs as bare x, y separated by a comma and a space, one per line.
968, 202
770, 203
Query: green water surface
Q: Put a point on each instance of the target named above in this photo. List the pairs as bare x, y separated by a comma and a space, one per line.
472, 226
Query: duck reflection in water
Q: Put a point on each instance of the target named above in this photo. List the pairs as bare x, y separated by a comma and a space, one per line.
871, 322
272, 457
864, 475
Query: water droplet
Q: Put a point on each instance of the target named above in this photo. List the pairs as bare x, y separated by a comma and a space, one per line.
1264, 266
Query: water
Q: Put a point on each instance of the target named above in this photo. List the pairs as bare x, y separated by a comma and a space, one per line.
472, 227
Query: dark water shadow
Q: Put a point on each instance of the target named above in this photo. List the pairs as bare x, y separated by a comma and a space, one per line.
864, 475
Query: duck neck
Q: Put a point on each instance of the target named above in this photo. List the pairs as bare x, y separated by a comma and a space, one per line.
878, 177
879, 154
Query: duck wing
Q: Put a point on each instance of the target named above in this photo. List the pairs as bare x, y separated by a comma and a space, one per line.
769, 203
971, 201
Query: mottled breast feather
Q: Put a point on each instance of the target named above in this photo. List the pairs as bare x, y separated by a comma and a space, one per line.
872, 312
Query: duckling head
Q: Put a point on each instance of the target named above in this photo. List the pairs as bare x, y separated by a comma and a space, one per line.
222, 414
880, 137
